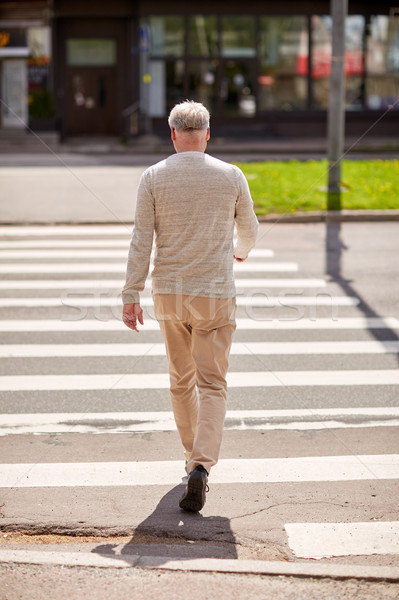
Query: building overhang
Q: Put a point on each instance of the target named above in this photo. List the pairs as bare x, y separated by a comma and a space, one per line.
15, 52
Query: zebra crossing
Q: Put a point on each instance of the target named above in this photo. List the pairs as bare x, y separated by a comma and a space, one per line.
304, 362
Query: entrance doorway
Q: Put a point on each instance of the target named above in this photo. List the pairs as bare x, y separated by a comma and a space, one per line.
237, 94
14, 86
91, 103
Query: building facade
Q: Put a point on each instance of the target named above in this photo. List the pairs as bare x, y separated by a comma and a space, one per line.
116, 67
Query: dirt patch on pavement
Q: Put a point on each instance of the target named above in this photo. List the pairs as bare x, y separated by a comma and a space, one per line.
137, 543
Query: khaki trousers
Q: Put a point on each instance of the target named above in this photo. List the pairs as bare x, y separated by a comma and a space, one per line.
198, 333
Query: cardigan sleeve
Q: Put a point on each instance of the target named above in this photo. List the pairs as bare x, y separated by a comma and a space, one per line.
141, 243
245, 219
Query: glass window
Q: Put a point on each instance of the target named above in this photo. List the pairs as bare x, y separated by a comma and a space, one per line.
91, 52
39, 41
382, 62
167, 36
321, 60
284, 58
165, 88
203, 36
14, 93
238, 36
153, 90
41, 100
202, 82
174, 83
237, 89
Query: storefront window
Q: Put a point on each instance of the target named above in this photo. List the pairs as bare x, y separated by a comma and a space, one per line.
237, 91
202, 82
203, 36
39, 41
238, 36
284, 57
41, 99
165, 87
321, 60
242, 65
167, 36
174, 83
14, 93
382, 63
153, 92
161, 79
91, 52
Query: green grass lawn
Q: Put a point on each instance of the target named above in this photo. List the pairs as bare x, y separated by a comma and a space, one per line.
281, 187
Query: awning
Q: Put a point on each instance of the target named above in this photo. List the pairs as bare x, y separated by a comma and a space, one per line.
14, 52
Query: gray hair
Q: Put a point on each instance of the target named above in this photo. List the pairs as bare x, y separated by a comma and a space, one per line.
189, 116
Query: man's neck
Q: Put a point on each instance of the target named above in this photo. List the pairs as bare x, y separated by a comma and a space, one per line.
190, 141
188, 149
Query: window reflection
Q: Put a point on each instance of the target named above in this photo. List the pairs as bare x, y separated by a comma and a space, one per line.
174, 83
167, 36
238, 36
321, 60
282, 81
238, 65
41, 99
237, 92
202, 77
166, 86
91, 52
382, 62
203, 36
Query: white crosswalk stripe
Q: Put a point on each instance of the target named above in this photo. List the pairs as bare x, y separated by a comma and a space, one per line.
96, 253
114, 267
362, 373
66, 230
70, 243
92, 284
259, 420
238, 348
250, 301
251, 470
270, 324
149, 381
323, 540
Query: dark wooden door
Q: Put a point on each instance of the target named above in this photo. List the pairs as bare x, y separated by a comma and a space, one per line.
91, 101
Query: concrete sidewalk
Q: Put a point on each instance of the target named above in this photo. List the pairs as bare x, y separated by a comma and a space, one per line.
22, 580
287, 147
63, 194
91, 556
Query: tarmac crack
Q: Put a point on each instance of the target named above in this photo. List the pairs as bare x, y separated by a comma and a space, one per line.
257, 512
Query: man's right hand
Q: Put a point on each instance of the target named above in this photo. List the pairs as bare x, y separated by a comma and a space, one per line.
132, 312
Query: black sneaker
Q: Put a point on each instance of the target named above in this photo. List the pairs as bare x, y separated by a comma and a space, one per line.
193, 498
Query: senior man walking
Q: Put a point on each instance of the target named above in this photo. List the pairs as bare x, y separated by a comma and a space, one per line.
192, 202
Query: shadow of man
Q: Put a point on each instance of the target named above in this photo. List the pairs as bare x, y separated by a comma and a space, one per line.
335, 248
169, 532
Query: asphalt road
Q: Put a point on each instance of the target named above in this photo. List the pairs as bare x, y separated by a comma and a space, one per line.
309, 465
30, 581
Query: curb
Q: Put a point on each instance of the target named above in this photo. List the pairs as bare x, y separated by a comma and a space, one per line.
336, 216
204, 565
344, 216
153, 144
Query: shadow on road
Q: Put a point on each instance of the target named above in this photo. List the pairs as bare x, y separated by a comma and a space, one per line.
171, 532
335, 248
